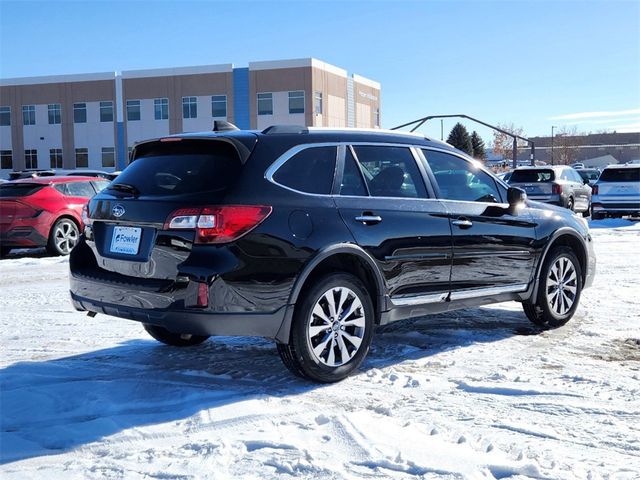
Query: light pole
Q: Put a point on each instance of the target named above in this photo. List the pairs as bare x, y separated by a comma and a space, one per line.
552, 127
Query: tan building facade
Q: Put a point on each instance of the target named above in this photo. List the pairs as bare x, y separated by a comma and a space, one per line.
92, 120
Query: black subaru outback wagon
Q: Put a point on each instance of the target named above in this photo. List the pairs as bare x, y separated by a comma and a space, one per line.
315, 236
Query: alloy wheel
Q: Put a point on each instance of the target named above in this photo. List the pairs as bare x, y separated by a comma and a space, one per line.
65, 236
336, 327
562, 286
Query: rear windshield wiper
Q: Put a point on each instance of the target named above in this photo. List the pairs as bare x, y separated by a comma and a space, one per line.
124, 187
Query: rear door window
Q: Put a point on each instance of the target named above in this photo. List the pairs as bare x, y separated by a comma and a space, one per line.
459, 179
182, 167
390, 171
310, 170
80, 189
352, 183
532, 176
620, 175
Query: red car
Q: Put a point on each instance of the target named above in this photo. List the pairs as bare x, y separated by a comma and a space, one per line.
44, 212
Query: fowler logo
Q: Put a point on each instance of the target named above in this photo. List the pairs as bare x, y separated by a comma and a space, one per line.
120, 238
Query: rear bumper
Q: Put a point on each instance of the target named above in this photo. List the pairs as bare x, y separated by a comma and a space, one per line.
98, 297
617, 208
552, 199
22, 237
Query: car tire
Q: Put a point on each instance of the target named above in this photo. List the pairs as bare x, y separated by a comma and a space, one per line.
174, 339
559, 290
570, 204
587, 212
332, 329
64, 235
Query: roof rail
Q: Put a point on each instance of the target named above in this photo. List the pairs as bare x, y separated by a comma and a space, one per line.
317, 130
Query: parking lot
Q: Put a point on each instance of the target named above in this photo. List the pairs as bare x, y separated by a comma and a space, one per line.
477, 393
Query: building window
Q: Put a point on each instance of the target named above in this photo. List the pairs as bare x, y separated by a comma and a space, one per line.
189, 107
5, 117
82, 157
55, 115
296, 102
161, 108
6, 159
133, 110
28, 114
219, 106
376, 117
265, 104
31, 158
79, 113
317, 103
108, 157
55, 157
106, 111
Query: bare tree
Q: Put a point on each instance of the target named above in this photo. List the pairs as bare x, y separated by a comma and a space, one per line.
566, 143
503, 143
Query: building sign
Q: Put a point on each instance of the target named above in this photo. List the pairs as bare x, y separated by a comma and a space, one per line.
367, 96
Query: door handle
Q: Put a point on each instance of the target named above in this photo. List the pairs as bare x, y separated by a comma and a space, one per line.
462, 223
369, 219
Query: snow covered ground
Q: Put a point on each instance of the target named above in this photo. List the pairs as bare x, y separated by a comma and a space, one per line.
470, 394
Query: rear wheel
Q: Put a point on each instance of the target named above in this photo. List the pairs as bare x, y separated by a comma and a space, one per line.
174, 339
63, 237
559, 290
331, 331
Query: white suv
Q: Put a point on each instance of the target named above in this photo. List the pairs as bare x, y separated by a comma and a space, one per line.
617, 192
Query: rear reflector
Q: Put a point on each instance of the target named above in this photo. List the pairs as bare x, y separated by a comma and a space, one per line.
218, 224
203, 295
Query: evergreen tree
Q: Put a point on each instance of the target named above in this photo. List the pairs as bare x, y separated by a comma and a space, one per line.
477, 145
460, 138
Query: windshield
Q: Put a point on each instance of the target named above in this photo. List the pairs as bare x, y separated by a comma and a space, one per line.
532, 176
620, 175
180, 168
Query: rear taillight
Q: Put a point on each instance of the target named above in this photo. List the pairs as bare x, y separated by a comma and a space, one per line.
218, 224
594, 190
85, 216
556, 189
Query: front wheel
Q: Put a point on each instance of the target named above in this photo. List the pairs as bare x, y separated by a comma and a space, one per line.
174, 339
331, 331
559, 290
63, 237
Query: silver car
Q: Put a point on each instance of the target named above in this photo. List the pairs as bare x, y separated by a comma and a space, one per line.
617, 192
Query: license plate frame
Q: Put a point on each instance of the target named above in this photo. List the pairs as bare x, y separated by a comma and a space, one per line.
125, 240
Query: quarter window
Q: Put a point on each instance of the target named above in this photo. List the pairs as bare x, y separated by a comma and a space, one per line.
390, 172
161, 108
309, 171
55, 114
79, 113
265, 104
108, 157
82, 157
55, 157
31, 158
459, 179
219, 106
296, 102
106, 111
6, 159
28, 114
5, 116
189, 107
133, 110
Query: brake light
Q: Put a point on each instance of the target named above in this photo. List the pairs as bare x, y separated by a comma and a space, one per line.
85, 216
556, 189
594, 190
218, 224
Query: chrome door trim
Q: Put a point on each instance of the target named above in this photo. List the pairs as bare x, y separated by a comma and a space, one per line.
420, 299
484, 292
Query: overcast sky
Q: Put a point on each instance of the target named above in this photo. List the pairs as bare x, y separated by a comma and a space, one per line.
532, 63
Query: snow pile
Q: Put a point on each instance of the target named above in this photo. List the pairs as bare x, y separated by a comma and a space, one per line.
475, 394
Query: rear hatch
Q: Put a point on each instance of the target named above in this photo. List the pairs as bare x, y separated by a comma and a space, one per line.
14, 202
536, 182
175, 177
619, 185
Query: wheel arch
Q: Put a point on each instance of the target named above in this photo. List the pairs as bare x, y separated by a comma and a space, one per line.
347, 258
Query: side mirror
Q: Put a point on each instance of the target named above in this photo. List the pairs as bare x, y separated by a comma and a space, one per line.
516, 196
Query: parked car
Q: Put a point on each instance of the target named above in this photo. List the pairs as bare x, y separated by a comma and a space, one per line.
617, 192
314, 236
44, 212
505, 176
577, 165
83, 172
31, 173
589, 175
559, 185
